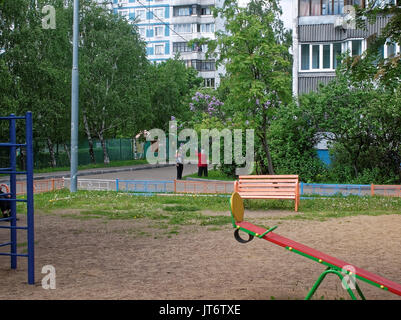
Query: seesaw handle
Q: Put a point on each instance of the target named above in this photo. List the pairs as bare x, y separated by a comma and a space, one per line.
267, 231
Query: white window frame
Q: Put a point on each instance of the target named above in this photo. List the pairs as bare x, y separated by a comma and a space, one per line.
397, 49
159, 46
138, 14
142, 32
123, 13
159, 13
161, 29
345, 45
177, 29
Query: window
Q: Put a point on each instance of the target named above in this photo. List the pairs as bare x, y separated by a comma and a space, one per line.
305, 56
336, 54
316, 8
141, 15
159, 49
325, 56
206, 27
158, 13
356, 47
159, 31
181, 47
316, 57
201, 65
208, 83
182, 11
326, 7
142, 32
123, 13
304, 7
391, 50
205, 11
183, 28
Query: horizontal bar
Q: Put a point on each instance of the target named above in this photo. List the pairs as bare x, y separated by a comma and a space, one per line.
336, 185
14, 254
13, 172
7, 144
146, 181
6, 219
14, 200
13, 227
12, 117
5, 244
3, 169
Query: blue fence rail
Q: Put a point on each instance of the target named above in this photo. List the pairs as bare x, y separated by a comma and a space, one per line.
332, 189
145, 186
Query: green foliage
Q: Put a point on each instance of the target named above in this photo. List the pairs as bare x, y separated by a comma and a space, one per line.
170, 87
293, 142
361, 120
255, 50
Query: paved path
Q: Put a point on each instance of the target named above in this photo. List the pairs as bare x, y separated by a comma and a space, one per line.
144, 172
165, 173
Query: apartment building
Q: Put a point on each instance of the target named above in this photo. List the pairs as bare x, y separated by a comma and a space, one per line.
322, 30
168, 25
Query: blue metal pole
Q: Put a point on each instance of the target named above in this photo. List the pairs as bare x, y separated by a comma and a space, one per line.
13, 187
74, 101
29, 196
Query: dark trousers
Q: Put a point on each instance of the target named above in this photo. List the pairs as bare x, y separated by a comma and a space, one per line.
180, 168
202, 170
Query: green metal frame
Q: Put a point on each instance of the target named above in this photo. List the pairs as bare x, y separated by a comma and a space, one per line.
339, 274
330, 268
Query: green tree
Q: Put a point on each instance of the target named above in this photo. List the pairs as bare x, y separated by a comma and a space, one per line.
113, 68
255, 51
170, 86
36, 59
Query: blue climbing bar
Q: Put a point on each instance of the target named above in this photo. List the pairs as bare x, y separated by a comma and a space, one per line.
11, 195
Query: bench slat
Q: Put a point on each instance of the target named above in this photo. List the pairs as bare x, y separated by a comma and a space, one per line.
268, 177
278, 182
267, 197
267, 190
267, 185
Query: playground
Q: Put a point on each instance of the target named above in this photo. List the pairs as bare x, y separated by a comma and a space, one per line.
137, 241
98, 257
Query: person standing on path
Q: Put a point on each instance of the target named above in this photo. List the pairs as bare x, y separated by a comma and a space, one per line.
179, 157
202, 163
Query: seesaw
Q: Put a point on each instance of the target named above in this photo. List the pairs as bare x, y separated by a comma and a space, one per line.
334, 265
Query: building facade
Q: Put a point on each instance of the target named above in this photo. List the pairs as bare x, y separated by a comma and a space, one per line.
167, 25
322, 30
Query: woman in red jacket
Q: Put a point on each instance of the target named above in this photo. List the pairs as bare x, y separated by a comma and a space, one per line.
202, 163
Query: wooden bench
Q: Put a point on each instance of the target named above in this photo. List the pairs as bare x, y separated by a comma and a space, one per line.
268, 187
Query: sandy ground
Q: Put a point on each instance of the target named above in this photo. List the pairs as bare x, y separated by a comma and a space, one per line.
109, 259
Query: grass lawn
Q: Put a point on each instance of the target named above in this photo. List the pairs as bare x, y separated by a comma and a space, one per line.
188, 210
212, 175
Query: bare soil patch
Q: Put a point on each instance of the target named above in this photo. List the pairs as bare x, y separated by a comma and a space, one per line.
133, 259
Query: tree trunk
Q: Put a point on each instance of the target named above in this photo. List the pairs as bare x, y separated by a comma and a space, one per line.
67, 151
106, 159
90, 140
265, 145
50, 145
